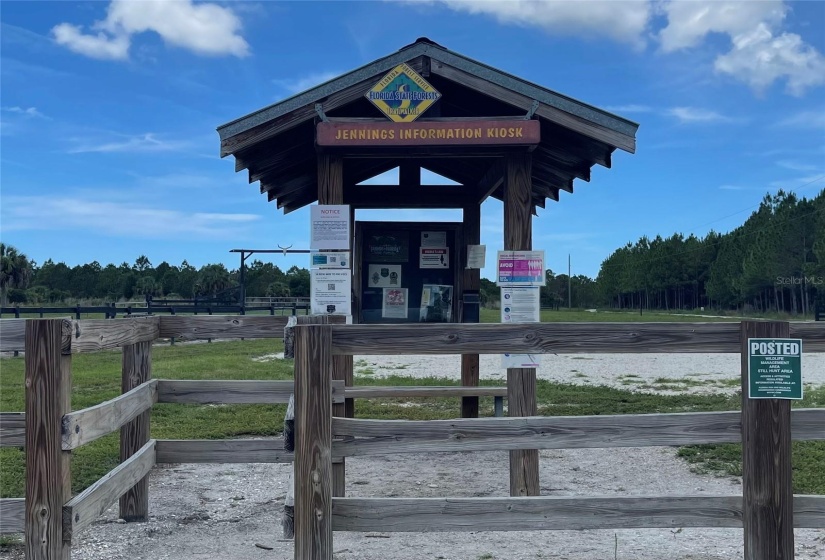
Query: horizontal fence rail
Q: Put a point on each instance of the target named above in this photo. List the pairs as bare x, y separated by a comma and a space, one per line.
233, 392
382, 437
226, 326
372, 392
84, 508
12, 515
551, 513
89, 424
553, 338
222, 451
560, 338
12, 429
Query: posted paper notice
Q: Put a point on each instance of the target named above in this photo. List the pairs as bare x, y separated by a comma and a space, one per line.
330, 227
330, 292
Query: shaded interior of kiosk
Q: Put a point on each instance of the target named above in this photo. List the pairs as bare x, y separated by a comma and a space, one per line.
410, 272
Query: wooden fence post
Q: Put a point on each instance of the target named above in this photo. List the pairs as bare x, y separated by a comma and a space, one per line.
48, 467
137, 369
767, 514
313, 442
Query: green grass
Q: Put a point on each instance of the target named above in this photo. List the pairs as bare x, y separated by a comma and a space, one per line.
579, 315
96, 377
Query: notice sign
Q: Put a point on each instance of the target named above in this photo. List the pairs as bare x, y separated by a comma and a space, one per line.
520, 305
330, 292
394, 303
330, 227
384, 276
775, 368
520, 268
433, 238
431, 257
321, 259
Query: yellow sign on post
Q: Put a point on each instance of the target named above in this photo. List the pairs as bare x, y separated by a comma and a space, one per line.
403, 95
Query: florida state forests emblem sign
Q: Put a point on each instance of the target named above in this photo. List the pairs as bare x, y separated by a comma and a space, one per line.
403, 95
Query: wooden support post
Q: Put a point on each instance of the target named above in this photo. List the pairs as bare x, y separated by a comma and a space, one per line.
331, 191
137, 369
521, 383
472, 282
313, 443
48, 467
767, 513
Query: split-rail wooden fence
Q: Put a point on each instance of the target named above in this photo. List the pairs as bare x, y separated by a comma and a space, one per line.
50, 517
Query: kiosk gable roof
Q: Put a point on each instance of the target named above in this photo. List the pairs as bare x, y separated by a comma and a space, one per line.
276, 143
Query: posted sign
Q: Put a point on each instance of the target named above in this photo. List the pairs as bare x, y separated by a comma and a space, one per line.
775, 368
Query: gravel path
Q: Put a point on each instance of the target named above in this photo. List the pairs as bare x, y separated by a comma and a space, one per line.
658, 373
222, 511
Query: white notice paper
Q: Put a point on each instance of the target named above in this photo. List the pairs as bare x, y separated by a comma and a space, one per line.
384, 276
433, 238
434, 258
476, 256
520, 305
520, 360
330, 227
394, 303
327, 259
331, 292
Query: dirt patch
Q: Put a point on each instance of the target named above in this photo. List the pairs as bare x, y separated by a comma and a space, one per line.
224, 511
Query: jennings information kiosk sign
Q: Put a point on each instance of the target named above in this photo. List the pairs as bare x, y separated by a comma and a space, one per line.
775, 368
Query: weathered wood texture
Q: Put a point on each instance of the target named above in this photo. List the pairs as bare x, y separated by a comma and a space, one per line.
202, 327
521, 383
233, 392
12, 429
84, 508
136, 372
472, 283
13, 335
224, 451
524, 464
766, 461
313, 443
560, 432
558, 338
341, 374
12, 512
537, 513
92, 335
83, 426
434, 391
48, 475
812, 335
809, 512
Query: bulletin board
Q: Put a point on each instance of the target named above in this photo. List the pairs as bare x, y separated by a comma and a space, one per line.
408, 271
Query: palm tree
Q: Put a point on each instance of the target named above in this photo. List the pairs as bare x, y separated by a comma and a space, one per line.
15, 270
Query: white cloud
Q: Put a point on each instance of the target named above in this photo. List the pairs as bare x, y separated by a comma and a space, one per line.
27, 111
303, 83
624, 21
805, 119
147, 142
734, 188
203, 28
133, 219
100, 46
796, 166
759, 54
696, 115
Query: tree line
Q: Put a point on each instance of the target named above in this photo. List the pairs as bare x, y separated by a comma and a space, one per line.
774, 261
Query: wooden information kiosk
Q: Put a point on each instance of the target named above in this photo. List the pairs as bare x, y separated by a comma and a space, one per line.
425, 107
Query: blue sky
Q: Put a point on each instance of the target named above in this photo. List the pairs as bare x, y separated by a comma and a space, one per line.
109, 112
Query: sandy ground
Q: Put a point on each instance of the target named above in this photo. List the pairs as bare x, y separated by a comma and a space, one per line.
224, 511
220, 512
